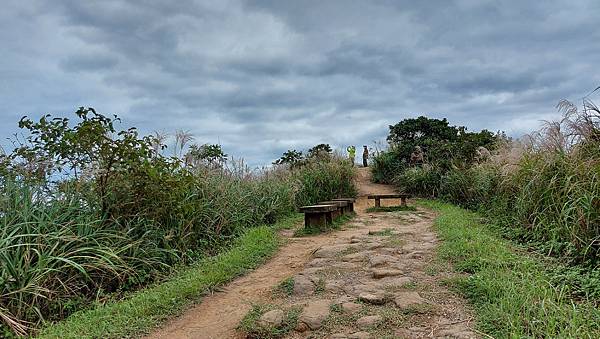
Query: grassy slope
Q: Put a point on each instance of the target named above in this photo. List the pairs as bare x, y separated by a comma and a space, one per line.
511, 290
149, 307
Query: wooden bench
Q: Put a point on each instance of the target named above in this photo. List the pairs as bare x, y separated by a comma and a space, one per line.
342, 207
318, 216
350, 201
378, 198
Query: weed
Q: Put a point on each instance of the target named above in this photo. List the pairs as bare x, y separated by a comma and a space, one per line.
431, 270
285, 287
337, 308
320, 286
384, 232
395, 240
411, 285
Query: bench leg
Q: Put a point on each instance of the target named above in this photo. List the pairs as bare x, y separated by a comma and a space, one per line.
329, 218
315, 220
377, 202
403, 201
351, 207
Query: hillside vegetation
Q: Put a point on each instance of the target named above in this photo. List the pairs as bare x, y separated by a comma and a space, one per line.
543, 189
542, 192
89, 212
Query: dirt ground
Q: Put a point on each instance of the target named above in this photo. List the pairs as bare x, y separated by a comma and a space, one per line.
377, 278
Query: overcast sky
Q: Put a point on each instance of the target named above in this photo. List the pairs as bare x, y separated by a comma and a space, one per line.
264, 76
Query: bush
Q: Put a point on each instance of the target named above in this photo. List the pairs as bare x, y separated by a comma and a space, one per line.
323, 180
419, 181
471, 187
386, 166
547, 200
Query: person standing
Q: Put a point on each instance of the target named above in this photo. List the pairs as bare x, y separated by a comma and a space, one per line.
351, 153
416, 157
365, 155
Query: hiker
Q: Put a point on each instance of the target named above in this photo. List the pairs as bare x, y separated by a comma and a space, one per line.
416, 157
351, 153
482, 154
365, 156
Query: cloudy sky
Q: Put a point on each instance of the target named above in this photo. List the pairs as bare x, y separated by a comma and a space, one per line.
264, 76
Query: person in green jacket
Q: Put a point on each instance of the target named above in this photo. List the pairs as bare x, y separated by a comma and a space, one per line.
351, 153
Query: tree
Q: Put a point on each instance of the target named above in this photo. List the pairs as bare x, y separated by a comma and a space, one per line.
320, 151
444, 145
208, 154
93, 147
292, 158
422, 129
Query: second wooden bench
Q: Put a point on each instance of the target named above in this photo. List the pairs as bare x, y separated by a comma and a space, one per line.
378, 197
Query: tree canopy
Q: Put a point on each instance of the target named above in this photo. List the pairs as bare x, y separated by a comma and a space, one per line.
442, 143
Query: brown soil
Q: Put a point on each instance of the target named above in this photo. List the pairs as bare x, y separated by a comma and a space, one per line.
405, 243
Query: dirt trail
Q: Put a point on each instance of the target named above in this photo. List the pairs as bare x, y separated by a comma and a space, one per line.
344, 264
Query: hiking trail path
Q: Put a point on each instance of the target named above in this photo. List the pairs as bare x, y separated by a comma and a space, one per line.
376, 277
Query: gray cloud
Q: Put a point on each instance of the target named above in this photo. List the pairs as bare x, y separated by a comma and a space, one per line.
263, 76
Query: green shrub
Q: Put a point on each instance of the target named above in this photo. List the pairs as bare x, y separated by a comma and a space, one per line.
420, 181
471, 187
386, 166
323, 180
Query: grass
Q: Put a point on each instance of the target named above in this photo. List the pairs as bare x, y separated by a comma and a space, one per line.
320, 286
514, 293
288, 223
384, 232
395, 240
347, 251
253, 329
285, 287
392, 289
391, 209
147, 308
392, 240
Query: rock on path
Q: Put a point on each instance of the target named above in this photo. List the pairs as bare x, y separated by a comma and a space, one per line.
314, 314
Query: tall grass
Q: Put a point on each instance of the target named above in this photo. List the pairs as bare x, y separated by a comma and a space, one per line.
320, 181
55, 255
59, 253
